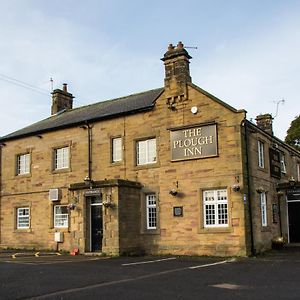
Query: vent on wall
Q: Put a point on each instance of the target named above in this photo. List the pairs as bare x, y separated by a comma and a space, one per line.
54, 195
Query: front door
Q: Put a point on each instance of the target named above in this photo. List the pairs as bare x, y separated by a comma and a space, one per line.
294, 221
94, 223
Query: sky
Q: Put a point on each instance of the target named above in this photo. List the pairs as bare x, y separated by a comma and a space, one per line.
248, 53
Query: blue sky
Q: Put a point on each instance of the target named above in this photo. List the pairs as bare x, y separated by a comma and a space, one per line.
248, 52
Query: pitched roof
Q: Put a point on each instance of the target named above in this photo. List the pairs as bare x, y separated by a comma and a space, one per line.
90, 113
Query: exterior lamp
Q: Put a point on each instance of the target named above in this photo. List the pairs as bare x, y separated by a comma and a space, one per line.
292, 181
173, 192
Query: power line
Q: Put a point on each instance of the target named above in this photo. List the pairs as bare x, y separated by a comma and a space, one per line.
23, 84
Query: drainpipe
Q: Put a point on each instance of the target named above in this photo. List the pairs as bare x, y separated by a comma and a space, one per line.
253, 250
1, 145
89, 139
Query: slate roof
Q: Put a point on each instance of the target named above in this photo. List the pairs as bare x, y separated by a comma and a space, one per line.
90, 113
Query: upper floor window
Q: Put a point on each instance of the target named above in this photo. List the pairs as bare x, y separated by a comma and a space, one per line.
263, 208
23, 164
61, 216
282, 164
116, 147
61, 158
151, 211
298, 171
146, 151
23, 217
261, 154
215, 208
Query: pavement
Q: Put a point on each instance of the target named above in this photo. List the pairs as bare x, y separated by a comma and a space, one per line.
273, 275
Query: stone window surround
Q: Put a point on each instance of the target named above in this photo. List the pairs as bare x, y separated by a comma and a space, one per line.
112, 161
29, 151
209, 230
22, 204
53, 150
261, 154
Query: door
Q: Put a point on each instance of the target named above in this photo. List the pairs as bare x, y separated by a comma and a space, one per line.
96, 227
294, 221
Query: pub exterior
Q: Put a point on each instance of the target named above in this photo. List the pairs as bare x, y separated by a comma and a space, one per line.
173, 170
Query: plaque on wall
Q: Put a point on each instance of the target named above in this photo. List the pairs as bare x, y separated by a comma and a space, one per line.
194, 142
178, 211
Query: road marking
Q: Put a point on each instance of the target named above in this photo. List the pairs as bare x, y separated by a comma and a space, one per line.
209, 265
114, 282
148, 261
229, 286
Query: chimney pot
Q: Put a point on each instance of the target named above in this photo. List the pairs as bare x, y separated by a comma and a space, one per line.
170, 47
180, 45
65, 87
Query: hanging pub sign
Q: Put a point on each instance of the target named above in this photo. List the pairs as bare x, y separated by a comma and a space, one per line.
194, 142
274, 163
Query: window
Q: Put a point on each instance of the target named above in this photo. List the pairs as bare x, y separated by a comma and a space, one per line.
263, 207
282, 164
215, 208
61, 216
151, 212
298, 171
23, 216
261, 156
146, 152
23, 164
61, 158
116, 144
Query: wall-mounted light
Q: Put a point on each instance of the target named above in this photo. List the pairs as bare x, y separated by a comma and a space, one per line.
71, 206
174, 191
292, 181
236, 186
108, 201
260, 190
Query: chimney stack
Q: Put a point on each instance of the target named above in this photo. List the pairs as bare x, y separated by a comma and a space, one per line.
177, 70
264, 122
61, 100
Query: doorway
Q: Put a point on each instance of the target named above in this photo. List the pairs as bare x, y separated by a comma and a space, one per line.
294, 221
95, 223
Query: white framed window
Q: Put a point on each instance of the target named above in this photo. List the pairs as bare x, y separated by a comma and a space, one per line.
298, 171
215, 208
151, 211
23, 164
61, 216
61, 158
261, 154
116, 147
263, 208
282, 164
23, 218
146, 151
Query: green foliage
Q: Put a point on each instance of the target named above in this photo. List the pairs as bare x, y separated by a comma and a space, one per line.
293, 134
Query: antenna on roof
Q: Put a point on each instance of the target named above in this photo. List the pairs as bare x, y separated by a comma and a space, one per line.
282, 101
51, 84
191, 47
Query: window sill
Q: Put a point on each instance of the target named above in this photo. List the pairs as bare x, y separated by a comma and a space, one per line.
59, 171
117, 163
23, 175
147, 166
215, 230
150, 232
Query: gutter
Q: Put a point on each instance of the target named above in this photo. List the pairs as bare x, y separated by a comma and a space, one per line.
253, 250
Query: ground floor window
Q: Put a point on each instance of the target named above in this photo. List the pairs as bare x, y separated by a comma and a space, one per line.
151, 211
215, 208
263, 207
23, 217
61, 216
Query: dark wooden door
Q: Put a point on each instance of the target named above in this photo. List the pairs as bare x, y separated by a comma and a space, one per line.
96, 227
294, 221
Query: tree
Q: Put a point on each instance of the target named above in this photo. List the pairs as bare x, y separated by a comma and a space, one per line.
293, 134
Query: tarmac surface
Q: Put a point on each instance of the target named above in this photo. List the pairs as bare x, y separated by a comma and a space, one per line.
48, 275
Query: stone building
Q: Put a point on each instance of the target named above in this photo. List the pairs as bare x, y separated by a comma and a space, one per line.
173, 170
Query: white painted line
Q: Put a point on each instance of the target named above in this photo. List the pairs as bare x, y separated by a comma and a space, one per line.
149, 261
209, 265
